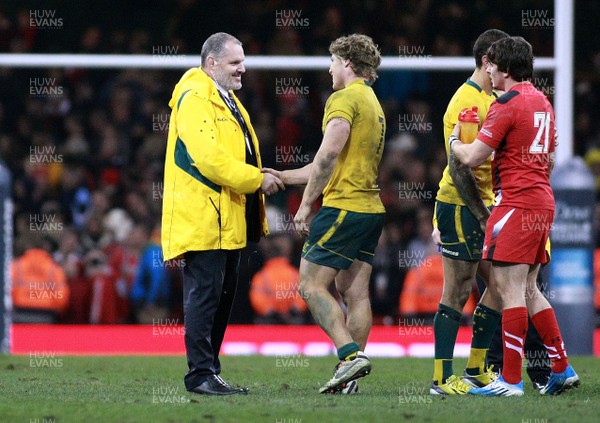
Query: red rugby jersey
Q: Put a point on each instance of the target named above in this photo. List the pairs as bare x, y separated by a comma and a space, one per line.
520, 128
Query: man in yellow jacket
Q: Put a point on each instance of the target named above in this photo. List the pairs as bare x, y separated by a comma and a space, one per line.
213, 201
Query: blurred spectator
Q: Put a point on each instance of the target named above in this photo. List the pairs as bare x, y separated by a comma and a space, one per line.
330, 27
75, 196
102, 288
150, 296
25, 33
123, 257
68, 253
422, 243
597, 282
423, 287
92, 235
274, 289
90, 41
40, 293
387, 276
117, 225
592, 159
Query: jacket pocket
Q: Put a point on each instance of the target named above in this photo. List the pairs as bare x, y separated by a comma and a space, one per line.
217, 206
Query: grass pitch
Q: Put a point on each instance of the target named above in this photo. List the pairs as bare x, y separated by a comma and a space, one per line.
43, 388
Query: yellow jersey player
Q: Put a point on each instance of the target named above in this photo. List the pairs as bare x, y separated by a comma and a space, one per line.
461, 211
522, 163
344, 233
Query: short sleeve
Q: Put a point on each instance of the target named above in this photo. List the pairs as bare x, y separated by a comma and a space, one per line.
339, 105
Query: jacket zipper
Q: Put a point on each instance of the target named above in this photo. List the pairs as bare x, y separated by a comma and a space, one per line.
218, 216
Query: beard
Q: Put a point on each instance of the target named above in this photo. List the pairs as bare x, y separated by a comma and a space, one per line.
226, 81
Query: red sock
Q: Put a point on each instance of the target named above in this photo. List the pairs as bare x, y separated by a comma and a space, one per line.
547, 326
514, 329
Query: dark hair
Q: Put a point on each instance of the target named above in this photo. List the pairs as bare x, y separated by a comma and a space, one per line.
484, 41
514, 56
215, 45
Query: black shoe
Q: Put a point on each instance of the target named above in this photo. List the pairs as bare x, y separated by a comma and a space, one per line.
215, 385
540, 381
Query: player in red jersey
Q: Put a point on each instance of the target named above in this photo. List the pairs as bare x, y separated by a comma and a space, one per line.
519, 132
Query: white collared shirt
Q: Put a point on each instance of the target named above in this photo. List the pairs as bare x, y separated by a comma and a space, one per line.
226, 94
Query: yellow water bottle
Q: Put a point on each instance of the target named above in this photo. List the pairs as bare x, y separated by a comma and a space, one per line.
469, 124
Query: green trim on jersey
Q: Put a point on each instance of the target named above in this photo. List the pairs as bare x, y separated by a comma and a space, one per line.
338, 237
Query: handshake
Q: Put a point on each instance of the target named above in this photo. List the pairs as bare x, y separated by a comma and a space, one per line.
272, 182
276, 180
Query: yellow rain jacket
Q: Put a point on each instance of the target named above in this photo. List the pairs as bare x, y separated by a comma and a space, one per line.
206, 175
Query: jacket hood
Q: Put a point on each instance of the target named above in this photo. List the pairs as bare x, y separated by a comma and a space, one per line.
189, 79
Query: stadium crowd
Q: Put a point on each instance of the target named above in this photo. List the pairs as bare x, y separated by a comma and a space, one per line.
86, 147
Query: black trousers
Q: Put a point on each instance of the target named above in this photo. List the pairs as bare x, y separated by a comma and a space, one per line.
538, 363
209, 283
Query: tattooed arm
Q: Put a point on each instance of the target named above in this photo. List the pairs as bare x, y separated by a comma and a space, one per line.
336, 134
465, 184
463, 157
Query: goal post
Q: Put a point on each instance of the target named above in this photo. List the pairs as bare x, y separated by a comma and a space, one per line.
148, 61
561, 66
563, 100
